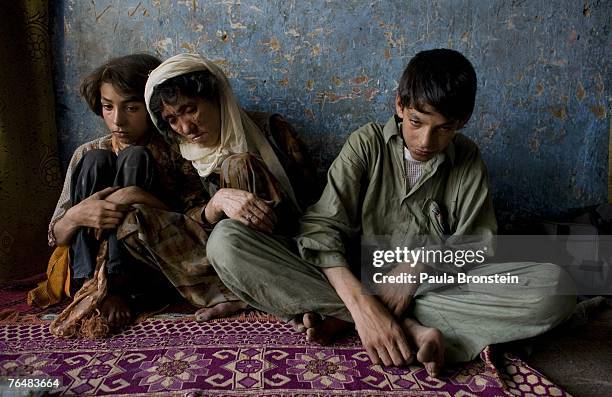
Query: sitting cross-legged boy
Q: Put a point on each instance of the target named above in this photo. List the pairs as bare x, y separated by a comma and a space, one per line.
413, 176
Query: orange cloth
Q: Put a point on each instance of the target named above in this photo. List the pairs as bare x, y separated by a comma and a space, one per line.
57, 284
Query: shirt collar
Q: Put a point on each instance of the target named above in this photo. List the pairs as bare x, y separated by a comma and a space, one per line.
391, 130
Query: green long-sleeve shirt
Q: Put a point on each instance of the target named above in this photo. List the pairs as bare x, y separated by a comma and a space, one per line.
367, 195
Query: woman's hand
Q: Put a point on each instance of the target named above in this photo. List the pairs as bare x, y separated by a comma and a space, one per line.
242, 206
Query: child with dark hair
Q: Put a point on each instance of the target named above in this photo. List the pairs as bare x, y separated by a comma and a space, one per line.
123, 212
420, 181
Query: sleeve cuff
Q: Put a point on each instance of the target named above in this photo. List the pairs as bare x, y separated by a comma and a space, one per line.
325, 258
51, 240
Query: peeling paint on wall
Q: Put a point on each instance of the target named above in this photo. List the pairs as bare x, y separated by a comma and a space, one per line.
542, 111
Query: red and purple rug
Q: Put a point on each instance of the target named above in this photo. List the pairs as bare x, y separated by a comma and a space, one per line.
248, 356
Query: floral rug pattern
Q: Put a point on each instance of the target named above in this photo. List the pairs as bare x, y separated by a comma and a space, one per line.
241, 357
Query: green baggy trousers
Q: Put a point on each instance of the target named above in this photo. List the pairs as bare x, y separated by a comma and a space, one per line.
268, 274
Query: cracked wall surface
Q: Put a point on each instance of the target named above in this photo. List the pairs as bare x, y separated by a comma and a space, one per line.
542, 110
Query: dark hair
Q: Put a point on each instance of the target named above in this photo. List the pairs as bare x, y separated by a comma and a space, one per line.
128, 74
201, 84
441, 78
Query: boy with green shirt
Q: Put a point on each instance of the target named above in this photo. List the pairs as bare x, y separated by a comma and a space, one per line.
414, 176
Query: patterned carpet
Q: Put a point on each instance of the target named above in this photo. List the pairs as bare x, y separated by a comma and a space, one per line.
249, 356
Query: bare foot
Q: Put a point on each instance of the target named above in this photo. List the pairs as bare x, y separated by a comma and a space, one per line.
430, 345
297, 324
323, 331
116, 311
219, 310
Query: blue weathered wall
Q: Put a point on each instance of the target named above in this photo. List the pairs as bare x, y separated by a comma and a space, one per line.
542, 111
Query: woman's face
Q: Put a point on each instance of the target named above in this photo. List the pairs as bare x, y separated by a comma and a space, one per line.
195, 119
126, 117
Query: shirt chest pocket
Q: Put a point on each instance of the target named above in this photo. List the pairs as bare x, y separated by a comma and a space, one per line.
437, 218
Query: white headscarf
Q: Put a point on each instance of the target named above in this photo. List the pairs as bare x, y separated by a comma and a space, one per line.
235, 124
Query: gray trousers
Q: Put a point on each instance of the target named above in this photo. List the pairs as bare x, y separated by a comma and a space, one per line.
267, 273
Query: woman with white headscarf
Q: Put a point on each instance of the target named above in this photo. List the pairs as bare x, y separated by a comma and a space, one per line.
251, 163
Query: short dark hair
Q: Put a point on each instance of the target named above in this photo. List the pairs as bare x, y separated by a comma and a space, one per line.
441, 78
201, 84
128, 74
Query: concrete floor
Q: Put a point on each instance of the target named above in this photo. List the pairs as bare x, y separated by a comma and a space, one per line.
578, 355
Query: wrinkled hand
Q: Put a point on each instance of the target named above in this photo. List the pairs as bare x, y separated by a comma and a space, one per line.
381, 335
98, 213
244, 207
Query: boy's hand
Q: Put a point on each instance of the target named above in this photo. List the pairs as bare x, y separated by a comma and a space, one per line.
381, 335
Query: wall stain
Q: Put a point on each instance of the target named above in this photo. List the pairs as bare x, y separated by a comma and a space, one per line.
99, 16
586, 10
559, 113
599, 111
535, 140
292, 32
580, 94
361, 80
189, 47
315, 32
491, 129
309, 85
370, 93
316, 50
222, 35
534, 144
162, 46
336, 80
539, 89
326, 96
131, 13
599, 85
309, 113
393, 42
237, 25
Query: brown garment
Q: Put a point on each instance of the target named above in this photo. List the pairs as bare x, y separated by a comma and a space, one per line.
292, 154
82, 317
